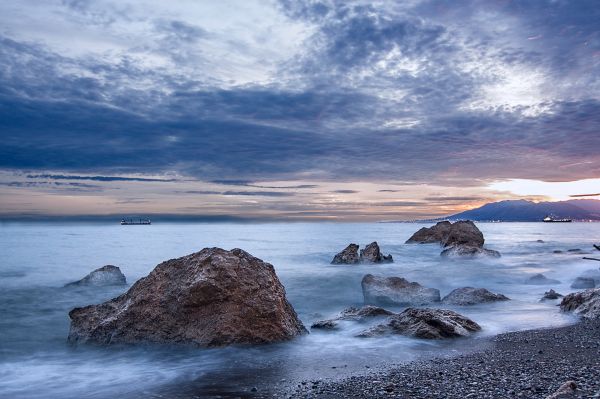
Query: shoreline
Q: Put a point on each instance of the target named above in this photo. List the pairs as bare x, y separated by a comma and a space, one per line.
527, 364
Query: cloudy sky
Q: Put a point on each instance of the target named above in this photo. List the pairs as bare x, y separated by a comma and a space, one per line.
367, 110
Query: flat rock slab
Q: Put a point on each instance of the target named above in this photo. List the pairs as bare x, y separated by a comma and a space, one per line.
396, 291
472, 296
210, 298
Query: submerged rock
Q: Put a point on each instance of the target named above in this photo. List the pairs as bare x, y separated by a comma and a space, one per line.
583, 282
593, 274
472, 296
352, 313
210, 298
104, 276
425, 323
551, 295
585, 303
372, 254
348, 256
396, 291
540, 279
465, 250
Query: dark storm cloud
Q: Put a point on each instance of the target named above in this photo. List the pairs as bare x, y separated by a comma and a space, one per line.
336, 113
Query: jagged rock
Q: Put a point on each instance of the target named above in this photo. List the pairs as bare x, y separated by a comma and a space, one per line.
585, 303
372, 254
104, 276
352, 313
429, 235
425, 323
471, 296
551, 295
540, 279
465, 250
348, 256
210, 298
583, 282
566, 390
396, 291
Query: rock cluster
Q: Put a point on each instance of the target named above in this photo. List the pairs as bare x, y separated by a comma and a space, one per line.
396, 291
370, 254
460, 238
210, 298
585, 303
352, 313
472, 296
104, 276
425, 323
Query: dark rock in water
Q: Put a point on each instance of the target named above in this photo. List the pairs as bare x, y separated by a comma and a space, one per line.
583, 282
465, 250
104, 276
550, 295
429, 235
585, 303
425, 323
372, 254
348, 256
574, 250
472, 296
396, 291
540, 241
540, 279
352, 313
558, 251
325, 325
566, 390
210, 298
460, 238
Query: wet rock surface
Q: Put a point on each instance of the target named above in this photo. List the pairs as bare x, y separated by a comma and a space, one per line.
372, 254
396, 291
585, 304
210, 298
472, 296
348, 256
527, 364
104, 276
430, 235
352, 313
551, 295
465, 250
540, 279
583, 283
425, 323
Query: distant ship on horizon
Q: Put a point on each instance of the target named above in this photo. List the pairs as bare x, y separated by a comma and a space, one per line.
551, 219
126, 222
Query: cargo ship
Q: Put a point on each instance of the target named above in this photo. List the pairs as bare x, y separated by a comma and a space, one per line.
127, 222
551, 219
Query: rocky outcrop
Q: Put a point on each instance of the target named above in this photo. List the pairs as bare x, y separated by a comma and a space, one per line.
472, 296
540, 279
585, 303
465, 250
348, 256
551, 295
354, 314
104, 276
460, 238
372, 254
583, 283
210, 298
425, 323
396, 291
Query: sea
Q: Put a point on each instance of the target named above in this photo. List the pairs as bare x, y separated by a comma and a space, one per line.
38, 259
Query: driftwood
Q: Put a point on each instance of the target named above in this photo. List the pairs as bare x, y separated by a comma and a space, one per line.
597, 247
586, 258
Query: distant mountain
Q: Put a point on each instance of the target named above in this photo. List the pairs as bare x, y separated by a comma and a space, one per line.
527, 211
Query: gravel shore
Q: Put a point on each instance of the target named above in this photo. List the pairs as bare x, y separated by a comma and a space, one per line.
527, 364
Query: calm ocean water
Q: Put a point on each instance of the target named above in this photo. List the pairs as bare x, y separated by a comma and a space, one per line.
38, 259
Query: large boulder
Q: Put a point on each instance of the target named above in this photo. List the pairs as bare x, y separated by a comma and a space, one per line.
540, 279
463, 232
104, 276
348, 256
210, 298
425, 323
372, 254
351, 313
583, 283
396, 291
430, 235
585, 303
472, 296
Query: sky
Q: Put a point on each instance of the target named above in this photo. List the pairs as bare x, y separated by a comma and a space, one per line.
296, 109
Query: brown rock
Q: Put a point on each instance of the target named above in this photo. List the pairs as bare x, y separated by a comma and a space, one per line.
348, 256
585, 303
429, 235
372, 254
210, 298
